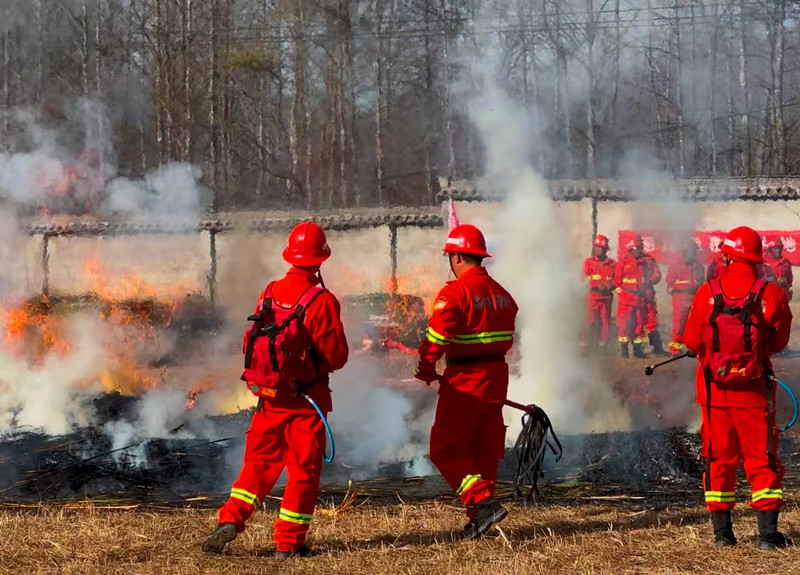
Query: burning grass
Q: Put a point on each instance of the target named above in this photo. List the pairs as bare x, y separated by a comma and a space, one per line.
577, 537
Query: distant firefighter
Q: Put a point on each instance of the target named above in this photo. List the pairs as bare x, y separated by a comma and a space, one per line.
599, 273
685, 275
716, 269
635, 278
778, 267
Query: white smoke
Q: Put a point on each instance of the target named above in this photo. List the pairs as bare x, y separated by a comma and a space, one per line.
171, 189
534, 265
51, 397
375, 423
73, 165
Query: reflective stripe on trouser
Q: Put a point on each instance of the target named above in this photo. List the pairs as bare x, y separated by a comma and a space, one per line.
598, 319
631, 323
735, 430
278, 439
467, 445
681, 305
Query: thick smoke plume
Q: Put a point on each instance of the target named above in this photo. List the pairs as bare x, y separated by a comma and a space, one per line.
534, 265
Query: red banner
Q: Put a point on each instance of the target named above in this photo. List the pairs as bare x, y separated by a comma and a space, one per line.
662, 246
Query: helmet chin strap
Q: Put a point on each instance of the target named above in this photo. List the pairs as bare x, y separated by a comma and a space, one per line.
321, 281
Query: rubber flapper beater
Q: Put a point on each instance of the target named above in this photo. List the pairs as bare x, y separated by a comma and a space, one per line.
530, 447
794, 402
328, 432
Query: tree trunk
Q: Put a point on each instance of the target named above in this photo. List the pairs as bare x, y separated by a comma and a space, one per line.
591, 125
85, 48
744, 85
779, 137
213, 112
186, 39
617, 150
98, 58
712, 79
446, 108
39, 16
679, 93
6, 117
379, 63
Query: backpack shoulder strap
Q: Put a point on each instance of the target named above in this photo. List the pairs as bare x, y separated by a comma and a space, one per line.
719, 303
267, 300
758, 289
306, 299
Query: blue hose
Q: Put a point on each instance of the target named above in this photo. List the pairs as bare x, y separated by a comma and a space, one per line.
794, 401
329, 433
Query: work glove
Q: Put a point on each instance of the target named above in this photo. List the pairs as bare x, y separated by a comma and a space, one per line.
426, 372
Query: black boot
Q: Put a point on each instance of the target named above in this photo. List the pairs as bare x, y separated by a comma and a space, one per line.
655, 343
219, 538
623, 351
487, 514
302, 552
769, 536
723, 529
638, 351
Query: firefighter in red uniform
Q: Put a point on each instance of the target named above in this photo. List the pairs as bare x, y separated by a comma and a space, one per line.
599, 271
736, 323
472, 326
779, 266
684, 276
635, 276
286, 432
652, 276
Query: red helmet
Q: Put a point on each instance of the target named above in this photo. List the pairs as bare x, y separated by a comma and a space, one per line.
776, 243
307, 246
600, 242
466, 239
743, 243
636, 242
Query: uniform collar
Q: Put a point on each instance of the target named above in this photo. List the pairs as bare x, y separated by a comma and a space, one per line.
476, 271
310, 277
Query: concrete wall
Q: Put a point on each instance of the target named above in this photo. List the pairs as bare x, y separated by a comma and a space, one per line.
360, 262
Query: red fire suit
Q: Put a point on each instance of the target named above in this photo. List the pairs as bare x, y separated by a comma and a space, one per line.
741, 420
634, 279
652, 277
781, 273
472, 325
683, 280
286, 431
600, 274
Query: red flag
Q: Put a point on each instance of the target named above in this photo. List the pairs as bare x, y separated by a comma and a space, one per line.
452, 217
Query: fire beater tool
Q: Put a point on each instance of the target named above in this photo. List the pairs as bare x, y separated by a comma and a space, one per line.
651, 368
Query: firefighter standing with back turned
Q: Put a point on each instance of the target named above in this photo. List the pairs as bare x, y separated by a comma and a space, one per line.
685, 275
735, 324
286, 431
472, 326
599, 271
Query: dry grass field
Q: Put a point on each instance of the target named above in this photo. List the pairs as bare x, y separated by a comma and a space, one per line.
583, 535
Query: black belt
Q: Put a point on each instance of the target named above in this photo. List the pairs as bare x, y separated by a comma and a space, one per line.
684, 290
473, 359
602, 291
